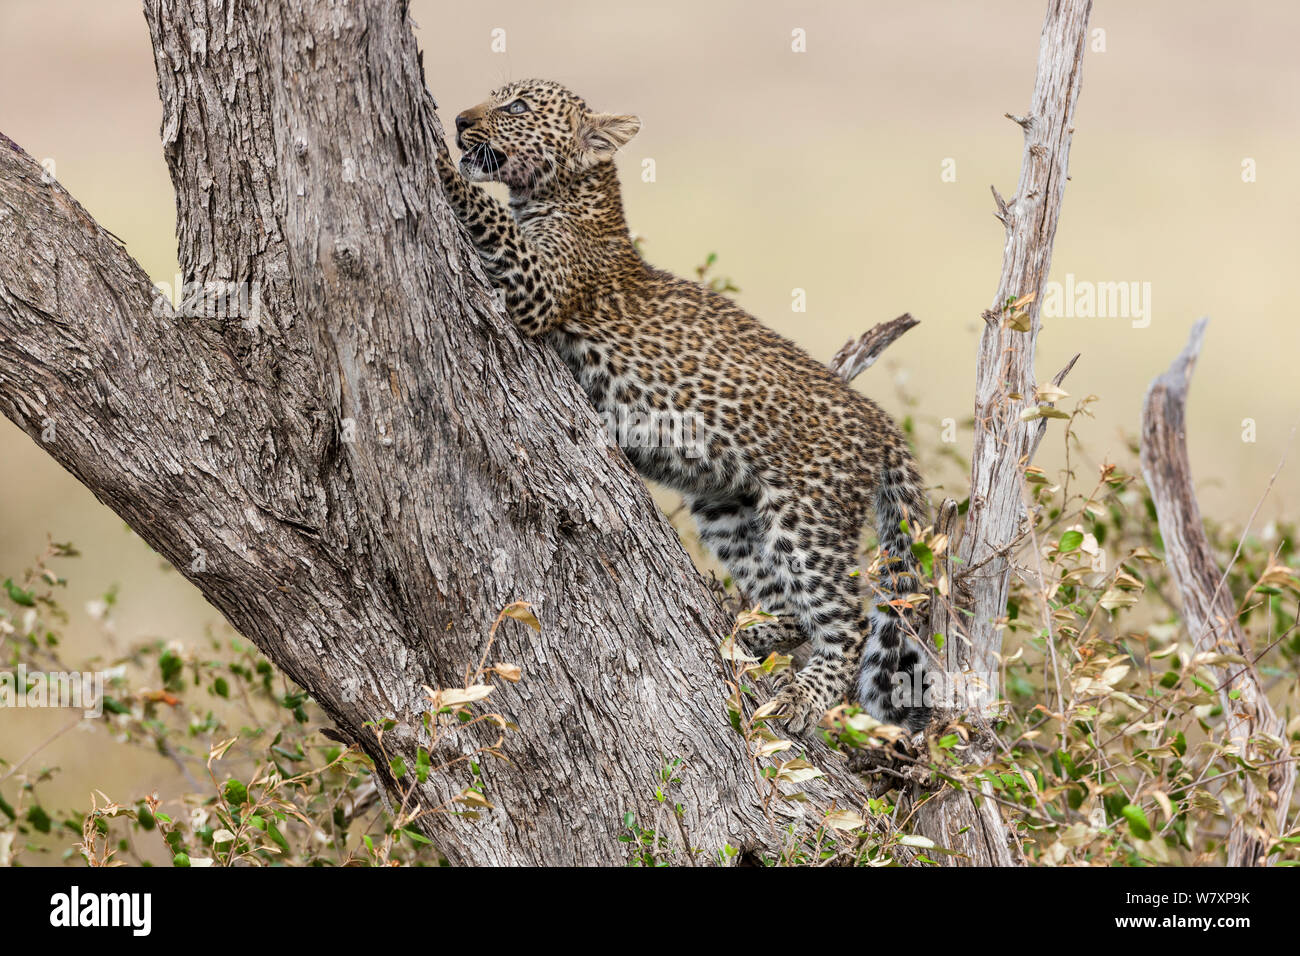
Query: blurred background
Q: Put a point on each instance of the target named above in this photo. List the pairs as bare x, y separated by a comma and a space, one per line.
858, 171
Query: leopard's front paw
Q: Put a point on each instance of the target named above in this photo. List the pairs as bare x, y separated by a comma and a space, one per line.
800, 705
447, 170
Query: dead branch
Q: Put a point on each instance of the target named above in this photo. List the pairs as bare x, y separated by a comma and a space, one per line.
1253, 730
858, 355
1004, 441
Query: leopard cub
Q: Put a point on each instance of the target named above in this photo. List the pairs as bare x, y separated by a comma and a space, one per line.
785, 461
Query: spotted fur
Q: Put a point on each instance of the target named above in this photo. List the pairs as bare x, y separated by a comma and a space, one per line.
785, 462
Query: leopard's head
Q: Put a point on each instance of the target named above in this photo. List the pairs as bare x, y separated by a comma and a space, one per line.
534, 133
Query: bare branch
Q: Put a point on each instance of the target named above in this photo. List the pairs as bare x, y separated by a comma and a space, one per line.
1003, 214
1253, 729
1004, 444
858, 355
1057, 379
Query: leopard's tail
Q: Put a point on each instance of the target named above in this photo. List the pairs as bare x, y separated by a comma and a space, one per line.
891, 676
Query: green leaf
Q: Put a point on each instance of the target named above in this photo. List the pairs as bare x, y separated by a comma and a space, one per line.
1137, 821
18, 595
171, 665
236, 793
921, 551
274, 833
1070, 541
38, 818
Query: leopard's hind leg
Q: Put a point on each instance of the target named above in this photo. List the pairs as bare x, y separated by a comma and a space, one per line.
730, 526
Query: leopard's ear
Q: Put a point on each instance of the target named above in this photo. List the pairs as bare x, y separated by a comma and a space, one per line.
601, 134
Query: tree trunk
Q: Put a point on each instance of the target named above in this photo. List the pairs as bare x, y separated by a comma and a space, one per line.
1004, 442
365, 465
1254, 732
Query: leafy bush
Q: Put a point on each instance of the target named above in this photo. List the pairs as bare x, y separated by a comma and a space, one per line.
1108, 742
263, 785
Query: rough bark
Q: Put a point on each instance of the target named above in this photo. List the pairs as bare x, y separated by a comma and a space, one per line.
1253, 730
1004, 443
363, 474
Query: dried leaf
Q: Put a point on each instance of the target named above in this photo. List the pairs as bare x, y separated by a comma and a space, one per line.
1019, 321
1166, 805
1115, 598
510, 672
775, 747
523, 611
797, 771
219, 751
1113, 675
456, 696
847, 820
1051, 393
913, 839
767, 711
730, 651
473, 798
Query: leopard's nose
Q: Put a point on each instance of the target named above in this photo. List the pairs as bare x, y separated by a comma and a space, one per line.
464, 121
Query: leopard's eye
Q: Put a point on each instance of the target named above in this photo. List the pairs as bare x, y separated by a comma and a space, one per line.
518, 106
